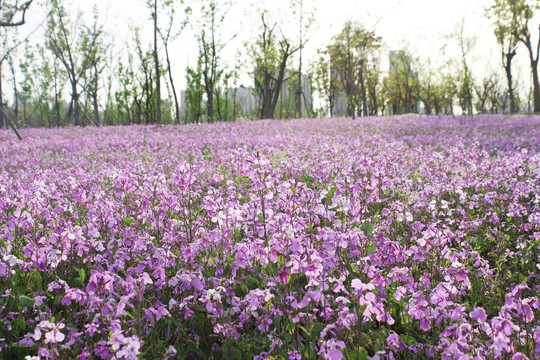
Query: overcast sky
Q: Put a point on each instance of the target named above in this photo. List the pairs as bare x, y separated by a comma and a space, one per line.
421, 26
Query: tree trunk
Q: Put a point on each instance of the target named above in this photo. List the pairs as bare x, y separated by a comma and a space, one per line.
156, 61
274, 93
95, 96
3, 122
507, 63
4, 115
299, 91
75, 101
534, 69
210, 104
363, 89
536, 85
16, 105
175, 96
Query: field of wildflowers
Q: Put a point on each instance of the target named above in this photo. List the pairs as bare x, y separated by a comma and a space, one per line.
378, 238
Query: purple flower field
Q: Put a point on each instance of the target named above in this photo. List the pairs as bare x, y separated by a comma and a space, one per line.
378, 238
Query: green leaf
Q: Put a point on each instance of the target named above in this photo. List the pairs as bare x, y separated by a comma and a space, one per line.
82, 275
288, 338
25, 300
360, 354
367, 228
409, 340
128, 221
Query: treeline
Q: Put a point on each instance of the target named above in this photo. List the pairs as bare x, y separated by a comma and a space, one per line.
74, 76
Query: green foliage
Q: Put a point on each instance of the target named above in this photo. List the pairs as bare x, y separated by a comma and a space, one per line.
402, 83
80, 50
367, 228
351, 52
194, 93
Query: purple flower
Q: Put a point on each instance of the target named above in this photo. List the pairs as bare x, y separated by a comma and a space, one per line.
400, 292
424, 324
197, 284
130, 349
479, 315
55, 336
334, 354
393, 340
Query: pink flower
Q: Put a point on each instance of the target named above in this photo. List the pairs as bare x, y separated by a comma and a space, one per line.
294, 355
400, 292
197, 284
334, 354
479, 315
357, 284
393, 340
283, 276
130, 350
55, 336
37, 334
424, 324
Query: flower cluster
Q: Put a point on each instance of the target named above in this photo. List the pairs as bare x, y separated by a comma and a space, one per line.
375, 238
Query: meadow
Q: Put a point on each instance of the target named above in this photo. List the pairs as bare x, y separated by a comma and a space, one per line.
374, 238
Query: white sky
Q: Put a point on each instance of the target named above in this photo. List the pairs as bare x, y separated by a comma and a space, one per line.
418, 25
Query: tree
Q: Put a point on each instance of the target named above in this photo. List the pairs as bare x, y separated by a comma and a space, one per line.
326, 80
270, 55
428, 90
350, 53
11, 15
505, 23
124, 98
305, 20
146, 98
522, 12
487, 93
154, 5
77, 50
167, 36
402, 83
211, 45
373, 84
194, 93
464, 78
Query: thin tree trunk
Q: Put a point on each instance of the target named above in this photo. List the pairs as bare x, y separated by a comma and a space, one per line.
3, 122
4, 115
534, 69
507, 63
363, 90
176, 104
210, 104
279, 83
536, 84
95, 96
158, 76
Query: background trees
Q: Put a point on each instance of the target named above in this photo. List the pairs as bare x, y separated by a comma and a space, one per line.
270, 53
69, 72
12, 15
352, 53
79, 50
